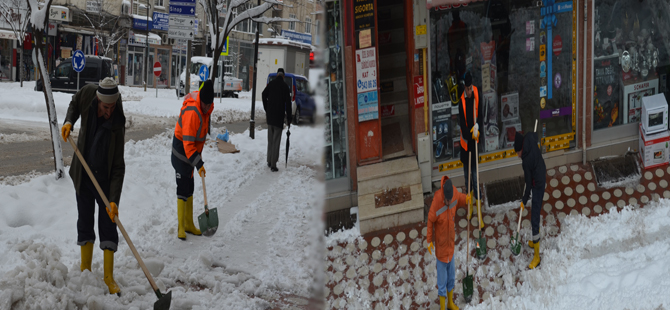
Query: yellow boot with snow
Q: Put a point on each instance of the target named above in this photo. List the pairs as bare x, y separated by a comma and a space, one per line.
442, 302
189, 227
451, 305
536, 258
109, 271
86, 256
181, 207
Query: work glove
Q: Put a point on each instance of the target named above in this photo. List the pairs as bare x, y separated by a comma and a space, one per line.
475, 132
201, 171
113, 211
65, 131
522, 206
430, 248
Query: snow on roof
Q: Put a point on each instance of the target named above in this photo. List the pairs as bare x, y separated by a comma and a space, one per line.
282, 41
142, 17
202, 60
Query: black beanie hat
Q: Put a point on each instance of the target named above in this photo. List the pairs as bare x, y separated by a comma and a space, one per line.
518, 142
448, 190
207, 92
468, 79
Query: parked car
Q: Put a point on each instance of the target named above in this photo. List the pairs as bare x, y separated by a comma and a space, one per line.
64, 79
302, 103
231, 85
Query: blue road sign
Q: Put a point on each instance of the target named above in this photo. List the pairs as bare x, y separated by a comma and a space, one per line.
203, 73
185, 9
78, 61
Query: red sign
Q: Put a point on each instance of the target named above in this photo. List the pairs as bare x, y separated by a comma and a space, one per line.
418, 92
157, 68
557, 45
388, 110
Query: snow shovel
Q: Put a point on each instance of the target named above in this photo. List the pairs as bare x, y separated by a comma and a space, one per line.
515, 243
467, 281
288, 143
164, 301
481, 241
208, 220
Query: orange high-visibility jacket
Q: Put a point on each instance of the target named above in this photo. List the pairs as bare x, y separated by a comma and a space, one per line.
441, 219
464, 143
191, 129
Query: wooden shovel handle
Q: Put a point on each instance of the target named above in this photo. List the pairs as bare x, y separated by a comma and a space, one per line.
116, 218
204, 192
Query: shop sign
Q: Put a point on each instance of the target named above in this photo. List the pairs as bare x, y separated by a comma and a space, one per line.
141, 24
59, 13
558, 45
365, 38
364, 14
368, 109
564, 111
297, 36
93, 6
418, 92
543, 52
366, 70
161, 21
52, 29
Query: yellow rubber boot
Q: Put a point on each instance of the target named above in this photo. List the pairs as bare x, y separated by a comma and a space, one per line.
530, 244
181, 207
86, 256
536, 259
442, 302
189, 227
109, 271
451, 305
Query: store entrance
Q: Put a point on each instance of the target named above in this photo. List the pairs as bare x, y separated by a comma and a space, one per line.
394, 95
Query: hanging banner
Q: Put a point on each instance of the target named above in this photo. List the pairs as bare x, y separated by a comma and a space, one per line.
418, 92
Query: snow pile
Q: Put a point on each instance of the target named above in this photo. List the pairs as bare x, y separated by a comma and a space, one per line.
263, 248
19, 137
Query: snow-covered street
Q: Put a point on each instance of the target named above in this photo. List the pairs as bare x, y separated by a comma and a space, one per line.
260, 257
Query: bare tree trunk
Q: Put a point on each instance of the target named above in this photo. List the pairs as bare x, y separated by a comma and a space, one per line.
51, 107
21, 66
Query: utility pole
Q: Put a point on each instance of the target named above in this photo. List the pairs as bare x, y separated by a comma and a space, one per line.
252, 122
187, 83
146, 52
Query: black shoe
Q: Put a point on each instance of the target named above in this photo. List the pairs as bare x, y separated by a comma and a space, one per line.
269, 166
274, 169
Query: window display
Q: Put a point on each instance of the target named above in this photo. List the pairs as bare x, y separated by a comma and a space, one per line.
519, 54
336, 119
630, 58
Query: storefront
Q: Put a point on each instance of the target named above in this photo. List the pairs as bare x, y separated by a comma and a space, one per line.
135, 60
520, 56
630, 61
7, 38
336, 146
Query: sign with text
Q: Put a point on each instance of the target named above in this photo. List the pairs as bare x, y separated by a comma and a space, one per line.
366, 70
364, 14
418, 92
93, 6
182, 8
161, 21
368, 109
141, 24
180, 34
297, 36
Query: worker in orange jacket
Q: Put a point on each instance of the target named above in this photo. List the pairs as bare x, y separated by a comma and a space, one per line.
441, 220
190, 134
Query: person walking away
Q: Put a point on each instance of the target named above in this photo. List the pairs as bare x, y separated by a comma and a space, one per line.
189, 138
441, 230
101, 141
277, 105
469, 118
534, 171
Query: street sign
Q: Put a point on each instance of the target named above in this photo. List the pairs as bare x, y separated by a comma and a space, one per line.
183, 9
157, 68
203, 73
180, 34
160, 21
181, 22
224, 51
78, 61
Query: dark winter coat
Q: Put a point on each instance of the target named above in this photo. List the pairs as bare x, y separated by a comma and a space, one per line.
465, 129
277, 102
534, 170
80, 106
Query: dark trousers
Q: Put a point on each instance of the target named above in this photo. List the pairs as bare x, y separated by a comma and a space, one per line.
473, 172
184, 177
536, 207
274, 142
86, 199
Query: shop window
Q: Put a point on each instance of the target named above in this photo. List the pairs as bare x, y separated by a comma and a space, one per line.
505, 47
336, 118
630, 58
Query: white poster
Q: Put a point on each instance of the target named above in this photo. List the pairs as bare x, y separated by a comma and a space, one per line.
366, 70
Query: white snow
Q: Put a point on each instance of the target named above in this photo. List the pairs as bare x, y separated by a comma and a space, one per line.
18, 137
263, 244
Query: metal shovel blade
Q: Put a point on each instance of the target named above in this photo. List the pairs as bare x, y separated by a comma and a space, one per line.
209, 223
481, 247
164, 301
467, 288
515, 245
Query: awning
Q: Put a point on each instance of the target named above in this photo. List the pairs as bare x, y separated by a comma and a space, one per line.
78, 30
447, 4
7, 34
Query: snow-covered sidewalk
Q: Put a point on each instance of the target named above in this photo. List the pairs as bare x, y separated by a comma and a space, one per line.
261, 251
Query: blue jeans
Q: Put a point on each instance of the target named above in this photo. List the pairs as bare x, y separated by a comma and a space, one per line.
446, 274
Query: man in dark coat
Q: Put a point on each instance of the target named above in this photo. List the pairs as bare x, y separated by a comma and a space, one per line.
469, 118
101, 142
534, 172
277, 105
